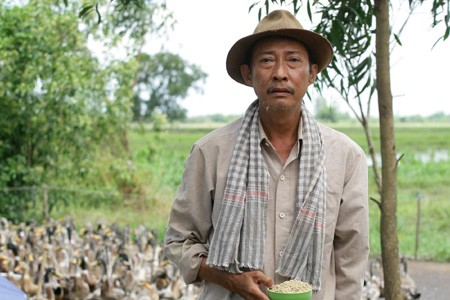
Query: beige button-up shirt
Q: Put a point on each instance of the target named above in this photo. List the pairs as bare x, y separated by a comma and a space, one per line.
198, 201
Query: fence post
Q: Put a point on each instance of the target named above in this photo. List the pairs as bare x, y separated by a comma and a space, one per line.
419, 199
45, 192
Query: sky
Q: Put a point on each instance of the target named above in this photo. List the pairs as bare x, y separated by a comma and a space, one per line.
206, 30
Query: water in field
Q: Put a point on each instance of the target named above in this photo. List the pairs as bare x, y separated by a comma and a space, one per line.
432, 156
440, 155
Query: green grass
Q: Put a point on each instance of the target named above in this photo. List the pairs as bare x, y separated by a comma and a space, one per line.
430, 179
159, 160
421, 137
433, 230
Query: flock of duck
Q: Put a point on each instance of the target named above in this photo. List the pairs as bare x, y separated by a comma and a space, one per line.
56, 261
373, 288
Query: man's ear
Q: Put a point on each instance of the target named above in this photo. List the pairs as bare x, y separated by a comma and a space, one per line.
313, 73
246, 75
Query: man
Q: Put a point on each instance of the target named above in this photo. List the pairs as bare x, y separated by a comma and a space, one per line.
275, 195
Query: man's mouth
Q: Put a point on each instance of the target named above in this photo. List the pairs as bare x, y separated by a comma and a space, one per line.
289, 90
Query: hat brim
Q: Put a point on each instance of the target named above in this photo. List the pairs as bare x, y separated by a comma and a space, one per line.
318, 46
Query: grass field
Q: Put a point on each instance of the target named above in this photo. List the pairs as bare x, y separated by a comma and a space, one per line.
424, 170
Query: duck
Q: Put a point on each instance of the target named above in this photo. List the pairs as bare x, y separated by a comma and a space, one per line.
26, 282
374, 281
408, 285
109, 289
52, 288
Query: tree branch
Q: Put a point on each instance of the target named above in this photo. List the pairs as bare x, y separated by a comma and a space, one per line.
378, 203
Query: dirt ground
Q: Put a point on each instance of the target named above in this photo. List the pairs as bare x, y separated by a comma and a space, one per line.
432, 279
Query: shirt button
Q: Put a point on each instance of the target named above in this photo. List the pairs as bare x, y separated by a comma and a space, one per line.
282, 215
281, 253
282, 177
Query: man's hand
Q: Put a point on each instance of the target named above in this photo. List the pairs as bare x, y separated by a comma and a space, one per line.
246, 284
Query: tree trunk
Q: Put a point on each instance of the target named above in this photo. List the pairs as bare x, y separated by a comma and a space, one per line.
389, 239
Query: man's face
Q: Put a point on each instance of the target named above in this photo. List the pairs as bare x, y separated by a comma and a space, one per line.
280, 73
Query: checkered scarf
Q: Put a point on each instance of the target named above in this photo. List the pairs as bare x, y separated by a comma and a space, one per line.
239, 238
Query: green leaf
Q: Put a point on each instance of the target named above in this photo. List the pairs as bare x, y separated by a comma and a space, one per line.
85, 11
308, 8
447, 32
99, 16
373, 88
336, 35
366, 85
297, 6
397, 38
252, 6
364, 66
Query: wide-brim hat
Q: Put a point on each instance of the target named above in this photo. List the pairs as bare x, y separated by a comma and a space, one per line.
279, 23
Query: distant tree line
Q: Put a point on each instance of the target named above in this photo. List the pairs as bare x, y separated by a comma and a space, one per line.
324, 111
213, 118
329, 111
438, 117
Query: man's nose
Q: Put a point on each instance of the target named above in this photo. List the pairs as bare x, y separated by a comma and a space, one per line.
280, 71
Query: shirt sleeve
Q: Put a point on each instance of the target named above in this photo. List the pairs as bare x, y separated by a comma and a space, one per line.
351, 242
190, 219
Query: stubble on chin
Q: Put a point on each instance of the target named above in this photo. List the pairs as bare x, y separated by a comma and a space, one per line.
278, 107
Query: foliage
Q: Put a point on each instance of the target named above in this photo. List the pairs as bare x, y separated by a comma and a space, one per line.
440, 9
52, 93
128, 7
436, 117
163, 79
211, 119
64, 106
126, 25
328, 112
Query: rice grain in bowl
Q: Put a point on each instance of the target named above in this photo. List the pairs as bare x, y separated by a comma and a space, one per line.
290, 290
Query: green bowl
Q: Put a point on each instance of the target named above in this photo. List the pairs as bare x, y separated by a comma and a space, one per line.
289, 296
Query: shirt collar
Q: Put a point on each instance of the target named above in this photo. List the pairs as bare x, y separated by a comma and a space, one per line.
263, 137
